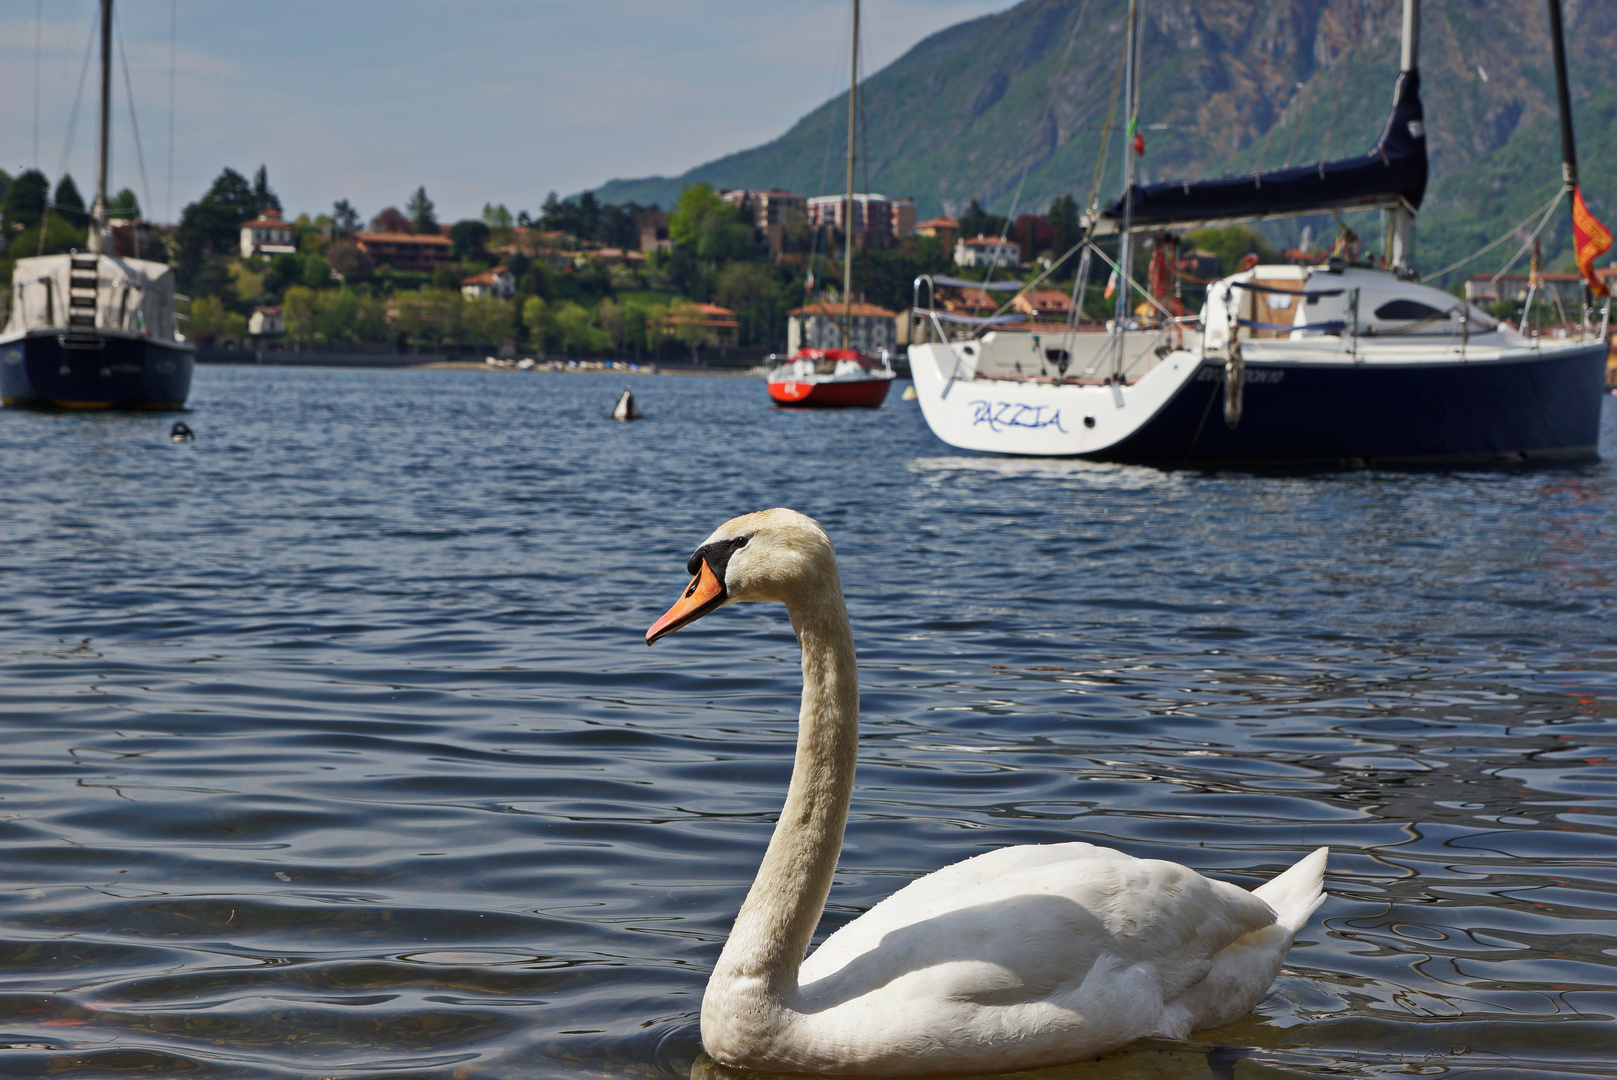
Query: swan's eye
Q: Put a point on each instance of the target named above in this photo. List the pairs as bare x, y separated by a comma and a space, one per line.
716, 555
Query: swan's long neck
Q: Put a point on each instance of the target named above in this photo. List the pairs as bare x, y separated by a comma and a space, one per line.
773, 930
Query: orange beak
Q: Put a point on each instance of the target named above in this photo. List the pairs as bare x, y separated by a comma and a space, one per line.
706, 592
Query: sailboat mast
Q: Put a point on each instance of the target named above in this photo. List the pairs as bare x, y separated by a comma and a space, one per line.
1125, 239
98, 212
847, 206
1563, 99
1402, 255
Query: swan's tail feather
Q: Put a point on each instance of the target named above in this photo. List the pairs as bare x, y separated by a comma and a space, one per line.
1297, 893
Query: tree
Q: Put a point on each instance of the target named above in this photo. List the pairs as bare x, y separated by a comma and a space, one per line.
979, 222
487, 320
1232, 244
553, 214
609, 317
68, 202
391, 220
124, 206
421, 212
574, 330
298, 313
469, 237
263, 198
316, 272
211, 226
24, 201
1063, 218
496, 217
750, 291
689, 327
348, 260
536, 321
709, 227
344, 219
589, 216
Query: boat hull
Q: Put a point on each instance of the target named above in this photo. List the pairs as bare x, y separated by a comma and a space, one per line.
129, 371
1531, 405
857, 393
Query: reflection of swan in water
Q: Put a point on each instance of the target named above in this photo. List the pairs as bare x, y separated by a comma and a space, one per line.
1022, 957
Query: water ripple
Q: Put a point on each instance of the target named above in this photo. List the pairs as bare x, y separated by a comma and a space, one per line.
332, 748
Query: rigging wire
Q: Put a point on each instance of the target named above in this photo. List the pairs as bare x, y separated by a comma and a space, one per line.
1545, 220
173, 23
78, 97
129, 98
39, 16
1549, 206
817, 253
1049, 108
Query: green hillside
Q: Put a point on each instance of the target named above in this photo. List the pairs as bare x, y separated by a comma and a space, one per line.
1227, 85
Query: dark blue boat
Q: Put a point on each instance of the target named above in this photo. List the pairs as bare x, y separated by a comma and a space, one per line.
94, 332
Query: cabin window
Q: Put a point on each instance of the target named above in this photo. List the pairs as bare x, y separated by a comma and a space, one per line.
1407, 310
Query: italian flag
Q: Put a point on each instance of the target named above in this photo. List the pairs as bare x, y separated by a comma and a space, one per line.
1590, 240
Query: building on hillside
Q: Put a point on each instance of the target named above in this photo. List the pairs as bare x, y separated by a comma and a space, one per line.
1045, 305
988, 251
722, 327
943, 229
654, 231
963, 301
268, 234
499, 283
878, 221
819, 326
406, 251
265, 321
772, 213
612, 257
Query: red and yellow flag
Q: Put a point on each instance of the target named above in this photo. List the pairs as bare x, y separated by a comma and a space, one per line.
1590, 240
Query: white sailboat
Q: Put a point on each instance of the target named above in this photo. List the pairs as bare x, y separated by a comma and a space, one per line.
95, 330
1337, 363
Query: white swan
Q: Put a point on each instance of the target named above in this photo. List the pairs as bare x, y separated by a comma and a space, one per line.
1023, 957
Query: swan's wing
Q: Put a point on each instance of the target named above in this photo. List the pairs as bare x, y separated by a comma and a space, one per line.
1028, 923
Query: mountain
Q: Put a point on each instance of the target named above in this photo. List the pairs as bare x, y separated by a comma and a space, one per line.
1226, 86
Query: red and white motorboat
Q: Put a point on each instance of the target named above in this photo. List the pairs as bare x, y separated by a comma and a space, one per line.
831, 378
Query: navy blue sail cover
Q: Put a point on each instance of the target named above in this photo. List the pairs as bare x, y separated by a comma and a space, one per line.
1395, 169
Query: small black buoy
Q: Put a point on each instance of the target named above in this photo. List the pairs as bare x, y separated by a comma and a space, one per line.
626, 409
180, 433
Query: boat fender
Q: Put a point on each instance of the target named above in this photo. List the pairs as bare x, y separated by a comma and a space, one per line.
1234, 385
910, 394
181, 433
626, 409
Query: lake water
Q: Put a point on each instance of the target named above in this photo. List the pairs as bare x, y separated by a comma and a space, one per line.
332, 748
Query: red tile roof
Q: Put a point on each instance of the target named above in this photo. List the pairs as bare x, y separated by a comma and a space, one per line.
834, 310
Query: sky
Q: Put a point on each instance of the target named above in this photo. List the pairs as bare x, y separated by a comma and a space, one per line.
493, 102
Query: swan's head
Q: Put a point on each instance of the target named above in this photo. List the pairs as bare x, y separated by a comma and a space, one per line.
770, 555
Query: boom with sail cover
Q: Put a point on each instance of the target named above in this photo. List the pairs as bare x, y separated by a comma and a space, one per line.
1392, 174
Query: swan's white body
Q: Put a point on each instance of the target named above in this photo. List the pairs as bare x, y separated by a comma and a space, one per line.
1022, 957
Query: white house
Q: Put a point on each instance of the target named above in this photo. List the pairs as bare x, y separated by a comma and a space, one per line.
988, 251
268, 234
265, 321
819, 326
500, 282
